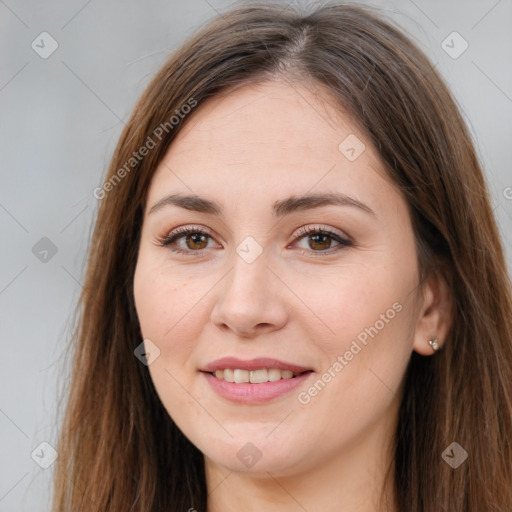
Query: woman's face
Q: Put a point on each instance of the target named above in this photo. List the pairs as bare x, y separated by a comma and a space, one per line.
255, 175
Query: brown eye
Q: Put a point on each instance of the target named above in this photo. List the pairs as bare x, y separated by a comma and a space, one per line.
186, 240
196, 241
320, 242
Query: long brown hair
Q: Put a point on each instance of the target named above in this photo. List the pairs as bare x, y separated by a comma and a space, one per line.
120, 451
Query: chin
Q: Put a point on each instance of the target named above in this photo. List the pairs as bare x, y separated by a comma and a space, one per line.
256, 455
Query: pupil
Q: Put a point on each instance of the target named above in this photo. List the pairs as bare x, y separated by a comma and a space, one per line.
196, 238
324, 244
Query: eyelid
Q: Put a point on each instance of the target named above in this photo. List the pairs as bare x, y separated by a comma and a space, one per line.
190, 227
314, 228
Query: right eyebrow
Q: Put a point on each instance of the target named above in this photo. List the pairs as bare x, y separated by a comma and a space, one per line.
193, 203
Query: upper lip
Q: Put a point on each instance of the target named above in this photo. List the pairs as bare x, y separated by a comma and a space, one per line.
252, 364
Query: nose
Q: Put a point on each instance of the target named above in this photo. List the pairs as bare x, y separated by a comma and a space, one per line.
250, 300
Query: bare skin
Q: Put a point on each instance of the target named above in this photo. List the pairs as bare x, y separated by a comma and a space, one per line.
304, 300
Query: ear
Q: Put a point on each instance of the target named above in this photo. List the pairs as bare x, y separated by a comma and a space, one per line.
435, 315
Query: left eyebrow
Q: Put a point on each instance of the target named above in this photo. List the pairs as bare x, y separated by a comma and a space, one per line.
308, 202
281, 208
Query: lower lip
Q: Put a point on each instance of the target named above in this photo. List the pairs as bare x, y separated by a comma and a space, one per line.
248, 393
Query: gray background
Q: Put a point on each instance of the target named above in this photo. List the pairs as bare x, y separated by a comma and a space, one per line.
60, 120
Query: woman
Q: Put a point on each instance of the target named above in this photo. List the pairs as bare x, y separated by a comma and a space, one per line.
296, 296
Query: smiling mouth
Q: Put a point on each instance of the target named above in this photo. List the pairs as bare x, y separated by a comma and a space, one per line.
259, 376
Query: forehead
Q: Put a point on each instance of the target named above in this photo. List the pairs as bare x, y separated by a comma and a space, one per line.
267, 137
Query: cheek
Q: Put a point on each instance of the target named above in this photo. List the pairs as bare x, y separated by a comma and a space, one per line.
152, 300
162, 300
171, 310
350, 300
165, 311
367, 314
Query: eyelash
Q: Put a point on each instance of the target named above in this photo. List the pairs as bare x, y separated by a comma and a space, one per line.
302, 233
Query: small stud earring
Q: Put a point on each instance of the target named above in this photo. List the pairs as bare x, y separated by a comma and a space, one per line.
434, 343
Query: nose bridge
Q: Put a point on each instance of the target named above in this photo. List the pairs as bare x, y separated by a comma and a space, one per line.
248, 279
247, 298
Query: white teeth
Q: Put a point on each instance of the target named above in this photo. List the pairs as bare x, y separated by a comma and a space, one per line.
274, 374
258, 376
253, 376
228, 375
241, 376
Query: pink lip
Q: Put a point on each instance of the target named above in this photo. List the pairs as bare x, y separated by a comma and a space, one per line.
253, 364
248, 393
